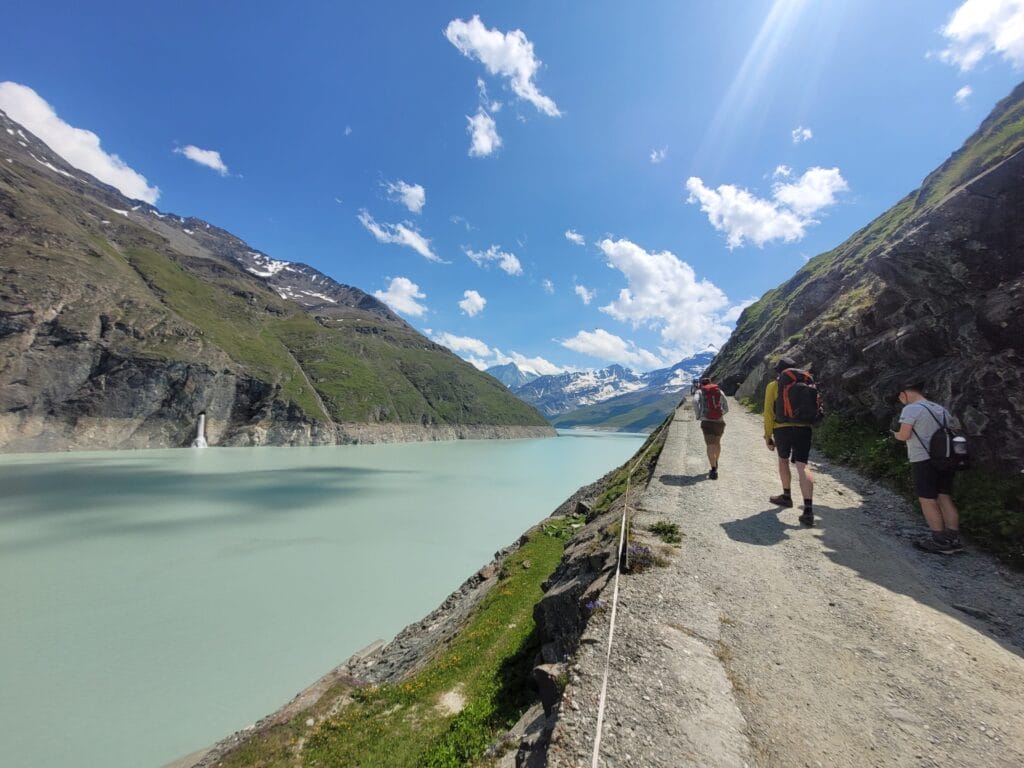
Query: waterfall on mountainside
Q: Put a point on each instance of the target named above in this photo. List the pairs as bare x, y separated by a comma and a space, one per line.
200, 441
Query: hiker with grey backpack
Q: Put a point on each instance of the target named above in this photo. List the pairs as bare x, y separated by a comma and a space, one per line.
936, 452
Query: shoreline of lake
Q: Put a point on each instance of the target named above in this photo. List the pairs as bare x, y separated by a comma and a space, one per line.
107, 434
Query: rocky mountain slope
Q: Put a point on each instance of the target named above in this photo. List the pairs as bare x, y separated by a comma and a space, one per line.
614, 398
120, 324
933, 289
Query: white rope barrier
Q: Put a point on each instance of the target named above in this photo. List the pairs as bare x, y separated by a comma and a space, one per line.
622, 554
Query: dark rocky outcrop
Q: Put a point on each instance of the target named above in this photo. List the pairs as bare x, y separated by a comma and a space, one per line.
932, 290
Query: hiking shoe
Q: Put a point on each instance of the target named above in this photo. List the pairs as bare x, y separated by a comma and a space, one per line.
954, 543
807, 518
713, 474
781, 500
936, 546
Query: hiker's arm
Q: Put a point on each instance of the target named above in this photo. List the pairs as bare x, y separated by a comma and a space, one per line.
725, 404
769, 412
906, 429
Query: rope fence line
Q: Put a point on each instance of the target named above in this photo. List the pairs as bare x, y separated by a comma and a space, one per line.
623, 554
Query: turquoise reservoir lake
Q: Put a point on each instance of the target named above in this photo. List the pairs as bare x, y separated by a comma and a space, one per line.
152, 602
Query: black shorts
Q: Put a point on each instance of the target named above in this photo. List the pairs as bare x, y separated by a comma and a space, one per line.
713, 431
929, 482
793, 442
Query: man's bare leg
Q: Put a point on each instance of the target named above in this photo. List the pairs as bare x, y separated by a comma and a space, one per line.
806, 480
950, 514
784, 474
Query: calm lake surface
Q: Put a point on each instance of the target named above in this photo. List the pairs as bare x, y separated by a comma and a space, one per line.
151, 602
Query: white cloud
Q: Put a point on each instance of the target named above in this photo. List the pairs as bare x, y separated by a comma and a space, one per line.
472, 303
510, 55
462, 344
574, 237
507, 261
402, 297
603, 345
734, 312
980, 27
663, 293
782, 172
208, 157
348, 130
412, 196
536, 365
482, 356
485, 139
963, 94
657, 155
79, 147
801, 134
399, 234
586, 295
548, 286
743, 216
813, 191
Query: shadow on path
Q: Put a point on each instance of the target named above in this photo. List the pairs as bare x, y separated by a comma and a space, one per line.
900, 570
763, 529
682, 481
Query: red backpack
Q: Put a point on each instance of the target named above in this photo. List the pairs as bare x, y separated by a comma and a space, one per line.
712, 402
798, 400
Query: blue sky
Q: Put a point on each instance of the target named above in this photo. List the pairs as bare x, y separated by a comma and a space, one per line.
566, 184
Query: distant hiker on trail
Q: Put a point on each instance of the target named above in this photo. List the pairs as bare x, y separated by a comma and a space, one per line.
711, 407
921, 421
791, 406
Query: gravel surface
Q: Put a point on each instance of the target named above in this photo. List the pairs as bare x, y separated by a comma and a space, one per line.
764, 643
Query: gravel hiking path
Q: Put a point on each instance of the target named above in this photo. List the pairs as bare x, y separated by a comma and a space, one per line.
764, 643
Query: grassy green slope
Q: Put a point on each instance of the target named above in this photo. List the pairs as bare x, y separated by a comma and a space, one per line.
367, 371
360, 368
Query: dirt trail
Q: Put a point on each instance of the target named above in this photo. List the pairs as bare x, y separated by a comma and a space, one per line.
764, 643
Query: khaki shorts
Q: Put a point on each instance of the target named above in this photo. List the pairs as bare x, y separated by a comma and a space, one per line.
713, 431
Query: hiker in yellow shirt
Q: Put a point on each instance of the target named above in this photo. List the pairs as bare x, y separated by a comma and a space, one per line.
792, 442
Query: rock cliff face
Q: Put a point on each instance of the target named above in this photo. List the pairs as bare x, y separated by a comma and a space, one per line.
932, 290
120, 324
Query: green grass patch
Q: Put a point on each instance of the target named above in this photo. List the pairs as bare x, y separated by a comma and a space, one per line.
667, 532
865, 447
